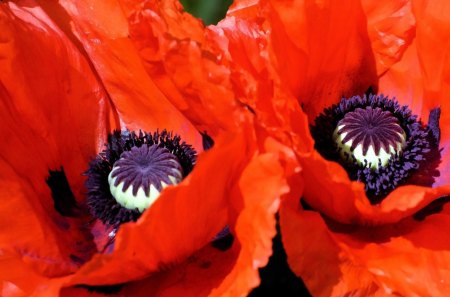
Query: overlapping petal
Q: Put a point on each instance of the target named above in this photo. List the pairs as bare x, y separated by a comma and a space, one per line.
354, 247
103, 31
308, 51
181, 56
390, 27
210, 270
187, 211
44, 121
95, 71
409, 258
358, 208
230, 273
325, 268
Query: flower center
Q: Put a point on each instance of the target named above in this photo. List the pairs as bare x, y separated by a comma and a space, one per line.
379, 142
140, 174
369, 137
129, 174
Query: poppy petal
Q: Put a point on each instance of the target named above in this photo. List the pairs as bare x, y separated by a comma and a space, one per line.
51, 108
104, 32
419, 248
408, 258
44, 96
245, 9
324, 267
183, 58
433, 28
150, 245
12, 283
335, 195
420, 79
310, 54
256, 87
391, 28
262, 184
197, 276
211, 272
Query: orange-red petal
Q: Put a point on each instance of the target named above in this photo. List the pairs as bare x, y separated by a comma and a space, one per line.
54, 113
186, 263
391, 29
330, 191
261, 185
421, 78
403, 255
321, 50
408, 80
409, 258
211, 272
104, 32
185, 60
316, 257
245, 9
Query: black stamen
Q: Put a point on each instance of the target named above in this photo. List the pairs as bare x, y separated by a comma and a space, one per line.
223, 240
207, 141
370, 90
433, 124
63, 198
104, 290
223, 243
434, 207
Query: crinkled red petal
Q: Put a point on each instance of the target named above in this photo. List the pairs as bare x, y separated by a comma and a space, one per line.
407, 258
182, 57
54, 113
182, 220
104, 32
321, 50
211, 272
317, 258
391, 29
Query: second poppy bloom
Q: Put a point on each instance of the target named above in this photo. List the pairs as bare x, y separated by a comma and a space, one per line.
374, 237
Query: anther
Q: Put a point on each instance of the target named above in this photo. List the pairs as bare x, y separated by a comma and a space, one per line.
369, 137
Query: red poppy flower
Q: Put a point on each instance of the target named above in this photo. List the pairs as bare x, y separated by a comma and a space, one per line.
63, 91
339, 241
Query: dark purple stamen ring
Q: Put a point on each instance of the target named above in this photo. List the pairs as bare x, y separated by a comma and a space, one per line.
99, 198
420, 141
